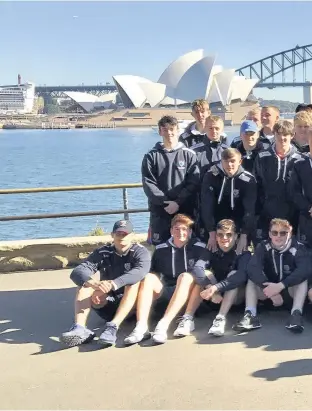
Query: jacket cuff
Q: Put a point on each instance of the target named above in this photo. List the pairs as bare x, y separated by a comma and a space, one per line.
118, 283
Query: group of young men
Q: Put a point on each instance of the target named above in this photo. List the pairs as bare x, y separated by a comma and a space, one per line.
210, 205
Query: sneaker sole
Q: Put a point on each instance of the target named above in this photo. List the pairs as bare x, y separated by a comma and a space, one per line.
241, 329
158, 341
183, 335
146, 336
216, 334
73, 341
296, 329
105, 343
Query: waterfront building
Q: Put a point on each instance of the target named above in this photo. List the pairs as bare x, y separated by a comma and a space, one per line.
17, 99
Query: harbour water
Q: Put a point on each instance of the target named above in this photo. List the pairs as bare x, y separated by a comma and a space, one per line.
37, 158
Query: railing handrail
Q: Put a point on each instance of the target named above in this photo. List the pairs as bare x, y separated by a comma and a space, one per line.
68, 188
125, 211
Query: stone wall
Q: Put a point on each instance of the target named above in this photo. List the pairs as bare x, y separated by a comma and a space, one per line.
51, 253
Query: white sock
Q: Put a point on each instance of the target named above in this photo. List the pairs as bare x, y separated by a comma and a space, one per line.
163, 324
141, 325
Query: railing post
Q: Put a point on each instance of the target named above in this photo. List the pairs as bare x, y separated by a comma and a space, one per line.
125, 202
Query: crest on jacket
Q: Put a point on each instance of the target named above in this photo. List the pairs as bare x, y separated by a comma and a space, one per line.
127, 266
181, 165
236, 193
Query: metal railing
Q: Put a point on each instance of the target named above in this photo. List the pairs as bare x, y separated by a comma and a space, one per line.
125, 211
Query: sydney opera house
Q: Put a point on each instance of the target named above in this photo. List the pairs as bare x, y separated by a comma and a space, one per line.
187, 78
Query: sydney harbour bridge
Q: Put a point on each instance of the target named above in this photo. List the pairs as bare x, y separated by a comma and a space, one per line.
284, 69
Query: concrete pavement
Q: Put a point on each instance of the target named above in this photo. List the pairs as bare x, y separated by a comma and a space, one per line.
266, 369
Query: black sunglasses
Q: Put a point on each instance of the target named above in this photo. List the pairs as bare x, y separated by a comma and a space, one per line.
281, 233
225, 235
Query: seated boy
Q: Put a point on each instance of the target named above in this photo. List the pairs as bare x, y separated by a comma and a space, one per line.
122, 265
279, 263
227, 273
169, 281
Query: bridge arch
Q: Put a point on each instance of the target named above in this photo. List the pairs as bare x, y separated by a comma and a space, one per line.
268, 67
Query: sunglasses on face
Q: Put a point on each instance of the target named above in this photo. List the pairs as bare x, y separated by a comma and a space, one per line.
225, 235
279, 233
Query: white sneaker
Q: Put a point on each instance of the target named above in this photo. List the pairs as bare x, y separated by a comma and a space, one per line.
137, 335
160, 334
218, 326
185, 327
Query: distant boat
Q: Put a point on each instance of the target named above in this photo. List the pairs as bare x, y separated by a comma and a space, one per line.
9, 126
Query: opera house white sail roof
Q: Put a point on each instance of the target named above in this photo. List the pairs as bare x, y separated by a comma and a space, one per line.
187, 78
90, 102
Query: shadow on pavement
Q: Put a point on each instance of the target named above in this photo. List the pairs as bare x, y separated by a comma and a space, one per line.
40, 316
286, 369
273, 336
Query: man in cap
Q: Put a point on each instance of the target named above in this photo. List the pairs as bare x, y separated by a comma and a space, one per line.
250, 144
122, 265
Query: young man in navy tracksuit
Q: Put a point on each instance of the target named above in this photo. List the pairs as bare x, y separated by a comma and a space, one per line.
170, 280
250, 144
300, 192
228, 192
269, 117
273, 168
122, 265
208, 153
209, 150
194, 133
302, 125
170, 177
225, 276
279, 263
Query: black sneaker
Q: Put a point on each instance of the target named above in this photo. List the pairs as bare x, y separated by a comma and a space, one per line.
247, 323
295, 322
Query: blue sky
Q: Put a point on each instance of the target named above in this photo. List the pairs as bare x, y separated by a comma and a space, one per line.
44, 42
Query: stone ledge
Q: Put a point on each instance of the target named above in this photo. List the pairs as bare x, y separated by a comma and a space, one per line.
50, 253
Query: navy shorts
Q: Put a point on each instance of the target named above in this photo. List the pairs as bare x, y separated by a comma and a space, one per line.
108, 311
162, 302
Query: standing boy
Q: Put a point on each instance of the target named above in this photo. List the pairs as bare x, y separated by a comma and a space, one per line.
170, 179
228, 192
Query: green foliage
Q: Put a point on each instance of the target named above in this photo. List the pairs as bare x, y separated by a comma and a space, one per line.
97, 231
284, 106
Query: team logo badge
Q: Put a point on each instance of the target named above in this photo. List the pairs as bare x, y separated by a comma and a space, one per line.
259, 233
122, 223
181, 165
303, 237
127, 266
286, 268
156, 236
191, 263
236, 193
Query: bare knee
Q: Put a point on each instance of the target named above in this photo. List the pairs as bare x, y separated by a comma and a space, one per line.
150, 278
84, 293
151, 281
132, 288
185, 278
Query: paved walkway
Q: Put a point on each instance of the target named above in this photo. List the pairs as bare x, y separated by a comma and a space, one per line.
267, 369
